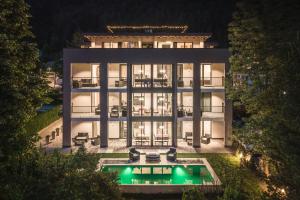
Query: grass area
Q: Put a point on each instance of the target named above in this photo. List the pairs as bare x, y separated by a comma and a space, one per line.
226, 166
43, 119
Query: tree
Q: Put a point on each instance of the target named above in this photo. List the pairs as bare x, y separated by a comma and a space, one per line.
36, 175
193, 194
22, 88
264, 39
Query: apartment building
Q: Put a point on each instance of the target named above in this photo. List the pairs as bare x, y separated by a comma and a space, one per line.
146, 86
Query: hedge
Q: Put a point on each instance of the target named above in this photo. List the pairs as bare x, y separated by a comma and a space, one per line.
43, 119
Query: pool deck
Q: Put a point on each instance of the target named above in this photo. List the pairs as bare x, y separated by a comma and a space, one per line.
213, 186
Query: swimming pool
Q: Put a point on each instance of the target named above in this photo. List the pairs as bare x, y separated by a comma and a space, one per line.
160, 174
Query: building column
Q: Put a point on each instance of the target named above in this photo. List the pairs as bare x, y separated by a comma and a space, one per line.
228, 114
196, 105
174, 105
67, 104
129, 104
103, 105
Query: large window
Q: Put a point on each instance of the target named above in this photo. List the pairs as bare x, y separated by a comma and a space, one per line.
162, 75
117, 75
206, 102
147, 75
162, 104
185, 104
141, 75
117, 104
162, 133
152, 133
117, 130
141, 104
85, 104
141, 133
85, 75
184, 75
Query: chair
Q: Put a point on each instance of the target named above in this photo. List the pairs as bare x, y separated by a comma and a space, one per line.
172, 155
97, 110
95, 141
188, 136
134, 155
84, 136
114, 111
205, 139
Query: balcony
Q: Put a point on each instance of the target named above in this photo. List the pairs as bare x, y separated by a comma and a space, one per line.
116, 111
117, 82
85, 82
85, 111
213, 112
185, 82
213, 82
185, 111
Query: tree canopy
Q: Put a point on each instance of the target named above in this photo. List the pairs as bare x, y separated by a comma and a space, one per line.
22, 87
265, 47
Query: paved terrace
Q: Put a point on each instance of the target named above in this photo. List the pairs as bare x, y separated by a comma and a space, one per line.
119, 145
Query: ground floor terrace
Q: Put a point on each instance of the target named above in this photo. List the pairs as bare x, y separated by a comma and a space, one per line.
119, 145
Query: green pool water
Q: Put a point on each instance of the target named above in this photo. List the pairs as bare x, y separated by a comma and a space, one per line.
162, 174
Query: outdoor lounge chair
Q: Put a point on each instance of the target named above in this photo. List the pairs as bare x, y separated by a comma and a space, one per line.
95, 141
134, 155
172, 155
205, 139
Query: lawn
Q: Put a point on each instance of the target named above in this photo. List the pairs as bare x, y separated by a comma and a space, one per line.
227, 167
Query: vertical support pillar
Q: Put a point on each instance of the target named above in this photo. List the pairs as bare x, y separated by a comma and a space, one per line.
228, 114
67, 103
103, 105
174, 105
196, 105
129, 104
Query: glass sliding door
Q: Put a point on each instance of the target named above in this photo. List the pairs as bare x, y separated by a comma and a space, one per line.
206, 128
206, 75
141, 76
152, 133
206, 102
162, 133
141, 133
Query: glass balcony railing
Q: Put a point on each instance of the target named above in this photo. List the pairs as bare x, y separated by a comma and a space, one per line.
117, 111
155, 82
185, 82
213, 109
85, 82
141, 111
213, 81
117, 82
185, 111
85, 111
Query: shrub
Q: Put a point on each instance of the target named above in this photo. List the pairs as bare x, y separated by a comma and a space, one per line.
42, 120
